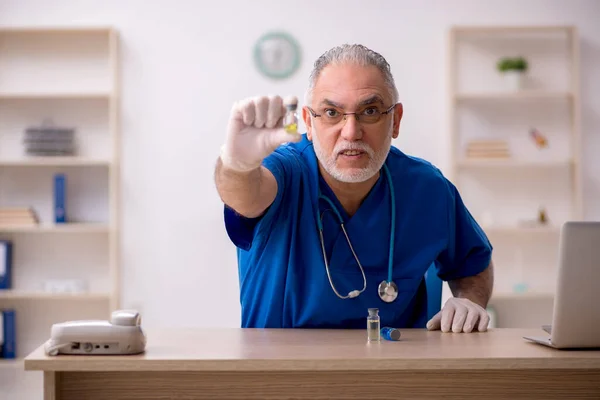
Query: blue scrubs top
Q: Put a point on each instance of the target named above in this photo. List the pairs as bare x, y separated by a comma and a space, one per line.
283, 281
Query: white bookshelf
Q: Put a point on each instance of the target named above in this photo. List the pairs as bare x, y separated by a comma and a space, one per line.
506, 194
68, 76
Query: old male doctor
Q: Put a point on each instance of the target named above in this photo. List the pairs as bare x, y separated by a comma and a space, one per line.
335, 221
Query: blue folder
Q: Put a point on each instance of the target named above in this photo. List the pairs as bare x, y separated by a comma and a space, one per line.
9, 334
5, 264
60, 206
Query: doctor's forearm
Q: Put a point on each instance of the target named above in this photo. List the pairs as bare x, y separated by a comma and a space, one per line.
248, 193
476, 288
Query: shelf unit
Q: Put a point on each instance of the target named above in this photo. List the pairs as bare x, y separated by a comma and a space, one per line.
505, 194
70, 76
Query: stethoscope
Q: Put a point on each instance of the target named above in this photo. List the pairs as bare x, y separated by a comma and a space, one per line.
388, 291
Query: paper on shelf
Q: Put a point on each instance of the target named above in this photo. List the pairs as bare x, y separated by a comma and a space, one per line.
3, 259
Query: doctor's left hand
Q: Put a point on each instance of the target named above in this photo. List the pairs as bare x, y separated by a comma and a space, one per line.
460, 315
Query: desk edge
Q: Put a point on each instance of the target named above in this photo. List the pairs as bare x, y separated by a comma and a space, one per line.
56, 364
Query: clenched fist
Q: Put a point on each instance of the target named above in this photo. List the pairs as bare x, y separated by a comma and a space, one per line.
254, 131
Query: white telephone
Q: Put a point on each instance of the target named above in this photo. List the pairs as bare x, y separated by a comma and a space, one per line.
122, 335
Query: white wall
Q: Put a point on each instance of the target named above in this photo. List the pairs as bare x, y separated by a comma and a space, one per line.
185, 62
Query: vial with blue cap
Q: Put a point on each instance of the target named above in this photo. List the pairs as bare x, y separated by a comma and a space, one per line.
392, 334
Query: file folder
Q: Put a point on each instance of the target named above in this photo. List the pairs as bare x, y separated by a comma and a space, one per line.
9, 347
60, 206
5, 264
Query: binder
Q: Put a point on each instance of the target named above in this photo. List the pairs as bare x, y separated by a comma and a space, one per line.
5, 264
60, 206
9, 348
1, 335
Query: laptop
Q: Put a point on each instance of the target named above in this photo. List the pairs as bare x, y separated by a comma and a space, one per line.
576, 313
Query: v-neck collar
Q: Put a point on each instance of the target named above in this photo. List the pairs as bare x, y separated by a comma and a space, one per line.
368, 203
376, 196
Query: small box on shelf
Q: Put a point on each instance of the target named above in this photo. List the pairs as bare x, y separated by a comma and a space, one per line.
66, 286
49, 139
541, 220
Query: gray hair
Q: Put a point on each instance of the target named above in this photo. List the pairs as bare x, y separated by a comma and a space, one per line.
352, 54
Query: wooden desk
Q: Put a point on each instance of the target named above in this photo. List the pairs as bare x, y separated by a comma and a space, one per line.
312, 364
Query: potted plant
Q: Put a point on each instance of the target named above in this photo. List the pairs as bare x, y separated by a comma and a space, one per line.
513, 70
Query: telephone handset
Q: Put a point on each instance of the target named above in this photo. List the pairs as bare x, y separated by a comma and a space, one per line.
121, 335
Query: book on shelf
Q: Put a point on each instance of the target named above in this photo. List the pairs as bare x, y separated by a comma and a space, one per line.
488, 149
17, 217
5, 264
8, 337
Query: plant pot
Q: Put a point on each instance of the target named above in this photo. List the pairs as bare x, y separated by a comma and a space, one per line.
513, 80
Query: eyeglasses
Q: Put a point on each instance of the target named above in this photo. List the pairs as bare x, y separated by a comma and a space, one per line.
368, 115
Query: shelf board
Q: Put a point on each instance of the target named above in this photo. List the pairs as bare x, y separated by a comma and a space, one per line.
522, 296
512, 163
56, 29
521, 95
502, 29
50, 161
15, 294
79, 95
11, 363
517, 229
74, 227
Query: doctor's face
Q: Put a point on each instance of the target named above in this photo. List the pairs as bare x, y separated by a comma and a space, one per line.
351, 149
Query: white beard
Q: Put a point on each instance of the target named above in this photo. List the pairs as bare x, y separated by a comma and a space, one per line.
352, 175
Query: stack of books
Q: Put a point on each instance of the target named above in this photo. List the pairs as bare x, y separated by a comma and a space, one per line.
488, 149
17, 217
49, 140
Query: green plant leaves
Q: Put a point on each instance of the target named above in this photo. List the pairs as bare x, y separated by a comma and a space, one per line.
512, 63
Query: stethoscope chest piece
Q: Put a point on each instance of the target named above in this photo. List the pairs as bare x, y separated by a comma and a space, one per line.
388, 291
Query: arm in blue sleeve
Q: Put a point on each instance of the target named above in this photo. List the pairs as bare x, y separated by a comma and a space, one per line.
242, 230
468, 251
467, 261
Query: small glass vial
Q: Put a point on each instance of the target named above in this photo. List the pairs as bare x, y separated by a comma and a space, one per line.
290, 120
373, 325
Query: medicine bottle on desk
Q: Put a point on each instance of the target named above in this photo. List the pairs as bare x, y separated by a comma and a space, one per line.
290, 119
373, 325
392, 334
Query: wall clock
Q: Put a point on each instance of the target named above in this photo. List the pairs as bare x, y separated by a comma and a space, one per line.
277, 55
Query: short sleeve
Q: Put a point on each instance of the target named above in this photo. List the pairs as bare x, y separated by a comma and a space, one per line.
468, 251
241, 230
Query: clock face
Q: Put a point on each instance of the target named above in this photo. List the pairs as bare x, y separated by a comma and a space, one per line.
277, 55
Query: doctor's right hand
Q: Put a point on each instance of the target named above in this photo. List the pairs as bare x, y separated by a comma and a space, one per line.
254, 131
